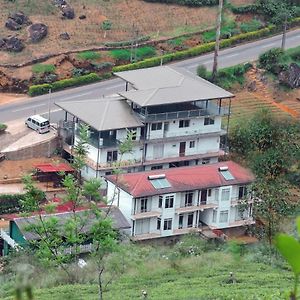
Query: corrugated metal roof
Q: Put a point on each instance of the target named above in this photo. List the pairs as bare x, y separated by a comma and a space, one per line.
182, 179
50, 168
119, 221
165, 85
106, 113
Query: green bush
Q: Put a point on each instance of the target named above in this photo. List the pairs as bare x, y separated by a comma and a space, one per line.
88, 55
121, 54
10, 203
125, 54
226, 31
271, 60
103, 65
39, 89
245, 9
106, 25
2, 127
252, 25
77, 81
43, 68
202, 72
127, 43
77, 72
187, 2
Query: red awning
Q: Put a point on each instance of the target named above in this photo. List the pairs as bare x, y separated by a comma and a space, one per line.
50, 168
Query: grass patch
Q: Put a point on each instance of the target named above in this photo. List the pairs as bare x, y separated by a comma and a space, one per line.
43, 68
252, 25
227, 30
177, 42
139, 53
88, 55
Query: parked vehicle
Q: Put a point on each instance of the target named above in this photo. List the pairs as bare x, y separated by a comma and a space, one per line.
38, 123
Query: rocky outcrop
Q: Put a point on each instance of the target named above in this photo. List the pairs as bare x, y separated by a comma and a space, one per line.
68, 11
12, 44
11, 84
64, 36
291, 77
37, 31
17, 20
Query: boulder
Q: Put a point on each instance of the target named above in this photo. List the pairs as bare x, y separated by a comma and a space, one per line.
82, 17
291, 76
68, 11
59, 3
2, 43
37, 32
13, 44
12, 24
20, 18
64, 36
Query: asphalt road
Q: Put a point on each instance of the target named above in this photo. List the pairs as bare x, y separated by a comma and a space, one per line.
228, 57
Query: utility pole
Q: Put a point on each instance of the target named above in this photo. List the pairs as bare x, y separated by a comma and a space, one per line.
284, 31
49, 105
217, 45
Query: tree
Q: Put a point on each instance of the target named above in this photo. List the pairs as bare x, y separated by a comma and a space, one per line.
217, 45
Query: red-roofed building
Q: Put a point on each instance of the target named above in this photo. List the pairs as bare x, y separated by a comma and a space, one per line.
180, 200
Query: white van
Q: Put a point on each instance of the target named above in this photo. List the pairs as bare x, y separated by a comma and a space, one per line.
38, 123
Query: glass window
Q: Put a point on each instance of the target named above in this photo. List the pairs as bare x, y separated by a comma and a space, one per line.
160, 200
156, 126
223, 216
180, 222
159, 167
168, 224
158, 224
184, 123
112, 156
209, 121
205, 161
192, 144
225, 196
242, 192
144, 202
190, 220
169, 201
209, 192
188, 199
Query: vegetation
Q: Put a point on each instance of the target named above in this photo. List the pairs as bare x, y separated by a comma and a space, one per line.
88, 55
138, 53
188, 2
2, 127
41, 89
191, 269
127, 43
43, 68
10, 203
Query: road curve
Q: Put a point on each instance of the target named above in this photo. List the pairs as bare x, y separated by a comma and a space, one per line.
227, 57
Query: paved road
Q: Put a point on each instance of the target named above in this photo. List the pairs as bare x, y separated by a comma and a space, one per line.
227, 57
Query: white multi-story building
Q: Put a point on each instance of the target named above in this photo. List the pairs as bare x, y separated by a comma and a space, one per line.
182, 200
176, 118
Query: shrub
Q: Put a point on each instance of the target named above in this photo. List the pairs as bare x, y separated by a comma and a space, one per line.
127, 43
76, 72
252, 25
271, 60
43, 68
125, 54
106, 25
188, 2
88, 55
10, 203
202, 72
245, 9
39, 89
2, 127
121, 54
103, 65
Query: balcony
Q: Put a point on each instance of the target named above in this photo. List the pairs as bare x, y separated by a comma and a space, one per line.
202, 206
242, 222
187, 230
144, 215
145, 236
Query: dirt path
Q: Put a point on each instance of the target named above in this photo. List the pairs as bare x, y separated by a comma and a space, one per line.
6, 98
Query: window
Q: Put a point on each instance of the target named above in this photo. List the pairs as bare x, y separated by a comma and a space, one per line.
168, 224
169, 201
156, 167
225, 195
158, 226
112, 156
190, 220
188, 199
209, 121
160, 200
184, 123
205, 161
192, 144
223, 216
180, 222
242, 192
225, 173
214, 217
144, 202
160, 183
156, 126
209, 192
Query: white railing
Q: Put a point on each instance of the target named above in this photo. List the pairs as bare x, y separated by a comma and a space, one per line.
9, 240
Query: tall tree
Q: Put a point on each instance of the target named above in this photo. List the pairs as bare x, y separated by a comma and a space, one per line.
217, 45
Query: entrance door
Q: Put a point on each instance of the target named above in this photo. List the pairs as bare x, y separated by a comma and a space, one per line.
182, 148
203, 196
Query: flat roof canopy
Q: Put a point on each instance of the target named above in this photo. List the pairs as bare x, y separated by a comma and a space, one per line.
166, 85
106, 113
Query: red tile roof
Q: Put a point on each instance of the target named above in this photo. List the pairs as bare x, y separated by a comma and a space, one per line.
182, 179
50, 168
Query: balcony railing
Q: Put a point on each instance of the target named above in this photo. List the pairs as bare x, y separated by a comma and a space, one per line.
211, 111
